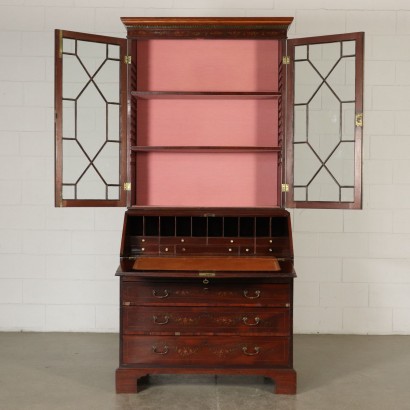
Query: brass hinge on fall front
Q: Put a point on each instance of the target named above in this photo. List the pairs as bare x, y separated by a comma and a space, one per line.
285, 187
207, 274
286, 60
127, 59
359, 120
127, 186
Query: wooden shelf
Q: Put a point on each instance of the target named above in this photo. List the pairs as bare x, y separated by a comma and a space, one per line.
150, 95
215, 149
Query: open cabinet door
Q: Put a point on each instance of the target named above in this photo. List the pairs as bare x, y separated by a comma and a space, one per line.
325, 122
90, 120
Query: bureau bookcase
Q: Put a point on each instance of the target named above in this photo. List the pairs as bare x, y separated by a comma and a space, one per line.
206, 141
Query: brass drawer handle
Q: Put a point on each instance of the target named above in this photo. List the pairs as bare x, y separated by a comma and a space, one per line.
166, 320
257, 294
256, 321
165, 295
163, 351
254, 353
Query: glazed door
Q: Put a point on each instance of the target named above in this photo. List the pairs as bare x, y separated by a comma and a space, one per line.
325, 122
90, 120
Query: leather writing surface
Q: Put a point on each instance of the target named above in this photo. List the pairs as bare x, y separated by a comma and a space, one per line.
210, 263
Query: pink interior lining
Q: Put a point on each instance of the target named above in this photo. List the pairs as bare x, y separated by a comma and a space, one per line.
207, 122
207, 179
207, 65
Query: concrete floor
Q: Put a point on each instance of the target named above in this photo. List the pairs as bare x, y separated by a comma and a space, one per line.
76, 371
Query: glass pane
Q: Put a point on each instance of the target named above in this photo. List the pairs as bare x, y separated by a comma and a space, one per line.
341, 164
92, 55
347, 195
69, 119
323, 188
300, 194
301, 53
113, 122
68, 192
341, 79
107, 81
348, 121
113, 51
75, 162
308, 81
348, 48
107, 162
113, 192
300, 123
74, 76
306, 164
323, 57
91, 120
90, 186
324, 122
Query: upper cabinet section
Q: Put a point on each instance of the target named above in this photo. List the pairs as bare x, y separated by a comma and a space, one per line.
209, 112
206, 111
325, 122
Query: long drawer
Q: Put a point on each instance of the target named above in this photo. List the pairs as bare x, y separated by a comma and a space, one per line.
198, 294
224, 351
205, 320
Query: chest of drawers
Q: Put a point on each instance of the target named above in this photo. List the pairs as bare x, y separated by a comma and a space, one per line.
232, 325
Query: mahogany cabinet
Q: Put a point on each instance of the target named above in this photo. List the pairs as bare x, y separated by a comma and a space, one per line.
206, 129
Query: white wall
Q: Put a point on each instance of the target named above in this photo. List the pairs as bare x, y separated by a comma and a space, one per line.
57, 265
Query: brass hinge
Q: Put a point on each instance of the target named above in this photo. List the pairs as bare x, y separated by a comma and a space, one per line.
285, 187
127, 186
286, 60
127, 59
359, 120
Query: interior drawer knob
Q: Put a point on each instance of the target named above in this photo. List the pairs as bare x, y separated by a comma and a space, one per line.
256, 294
256, 321
164, 350
254, 353
164, 322
165, 294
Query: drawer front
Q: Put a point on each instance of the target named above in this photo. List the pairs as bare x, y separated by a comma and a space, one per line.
207, 352
143, 240
207, 250
145, 250
199, 294
181, 240
214, 320
230, 241
247, 250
